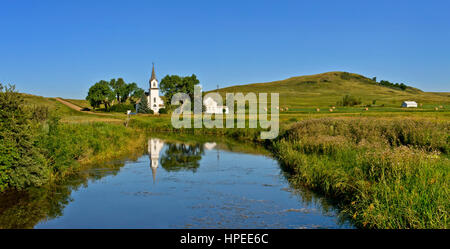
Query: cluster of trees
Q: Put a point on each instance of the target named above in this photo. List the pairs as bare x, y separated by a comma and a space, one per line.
117, 95
113, 92
172, 84
390, 84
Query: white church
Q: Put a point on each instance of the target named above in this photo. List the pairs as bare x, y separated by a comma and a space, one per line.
153, 99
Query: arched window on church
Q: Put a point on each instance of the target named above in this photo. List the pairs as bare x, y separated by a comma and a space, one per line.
154, 84
154, 99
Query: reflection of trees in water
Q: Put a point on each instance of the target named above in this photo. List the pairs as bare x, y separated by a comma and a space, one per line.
25, 209
182, 157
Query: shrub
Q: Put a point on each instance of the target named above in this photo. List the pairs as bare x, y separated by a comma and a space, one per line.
21, 163
163, 111
121, 108
39, 113
349, 100
346, 76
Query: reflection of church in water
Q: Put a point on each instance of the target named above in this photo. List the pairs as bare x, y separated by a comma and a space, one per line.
154, 149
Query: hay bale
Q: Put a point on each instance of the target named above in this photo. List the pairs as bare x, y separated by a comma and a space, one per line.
331, 110
317, 110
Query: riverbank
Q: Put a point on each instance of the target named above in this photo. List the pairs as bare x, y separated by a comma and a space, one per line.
384, 173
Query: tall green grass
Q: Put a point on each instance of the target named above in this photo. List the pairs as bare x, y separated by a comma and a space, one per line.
384, 173
67, 146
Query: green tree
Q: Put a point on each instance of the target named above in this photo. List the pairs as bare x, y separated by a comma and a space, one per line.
100, 93
134, 93
119, 88
123, 91
21, 162
172, 84
143, 105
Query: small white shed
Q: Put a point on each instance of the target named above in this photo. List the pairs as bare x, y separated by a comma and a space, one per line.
213, 108
408, 104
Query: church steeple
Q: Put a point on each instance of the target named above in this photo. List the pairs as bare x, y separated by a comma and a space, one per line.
153, 74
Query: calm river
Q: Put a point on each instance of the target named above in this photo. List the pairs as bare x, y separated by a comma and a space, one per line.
175, 185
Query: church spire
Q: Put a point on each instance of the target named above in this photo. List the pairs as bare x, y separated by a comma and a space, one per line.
153, 73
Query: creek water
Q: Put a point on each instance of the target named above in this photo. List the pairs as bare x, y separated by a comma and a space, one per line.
177, 185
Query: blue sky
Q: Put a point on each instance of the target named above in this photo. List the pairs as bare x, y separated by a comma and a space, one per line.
60, 48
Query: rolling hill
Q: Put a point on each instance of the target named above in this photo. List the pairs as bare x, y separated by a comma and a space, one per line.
325, 89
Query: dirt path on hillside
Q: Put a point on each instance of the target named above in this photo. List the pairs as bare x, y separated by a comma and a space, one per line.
77, 108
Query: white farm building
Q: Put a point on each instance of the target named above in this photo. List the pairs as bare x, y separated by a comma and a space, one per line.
408, 104
213, 108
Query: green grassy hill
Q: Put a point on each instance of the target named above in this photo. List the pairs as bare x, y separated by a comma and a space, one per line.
69, 115
51, 103
324, 90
